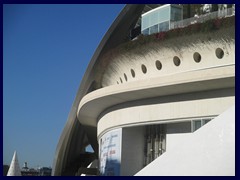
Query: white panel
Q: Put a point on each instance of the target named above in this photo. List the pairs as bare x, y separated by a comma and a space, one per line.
209, 151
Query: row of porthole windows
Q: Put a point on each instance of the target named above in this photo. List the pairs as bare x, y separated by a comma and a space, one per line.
176, 60
197, 57
144, 70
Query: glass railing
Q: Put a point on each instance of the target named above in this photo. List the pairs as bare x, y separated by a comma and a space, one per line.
203, 18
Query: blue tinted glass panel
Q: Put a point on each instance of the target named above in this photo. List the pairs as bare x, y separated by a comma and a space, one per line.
145, 22
164, 14
145, 32
153, 29
196, 125
154, 19
205, 121
164, 26
176, 14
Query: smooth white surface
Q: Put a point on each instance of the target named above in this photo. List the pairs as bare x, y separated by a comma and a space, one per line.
167, 110
14, 169
209, 151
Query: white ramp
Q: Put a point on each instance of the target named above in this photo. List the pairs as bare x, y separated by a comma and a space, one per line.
209, 151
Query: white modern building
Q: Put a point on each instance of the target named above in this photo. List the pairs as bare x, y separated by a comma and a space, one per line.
150, 107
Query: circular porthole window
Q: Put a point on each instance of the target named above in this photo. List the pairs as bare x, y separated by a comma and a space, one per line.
133, 73
144, 69
176, 61
219, 53
197, 57
125, 76
158, 65
121, 80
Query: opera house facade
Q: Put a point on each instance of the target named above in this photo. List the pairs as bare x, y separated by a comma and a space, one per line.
157, 98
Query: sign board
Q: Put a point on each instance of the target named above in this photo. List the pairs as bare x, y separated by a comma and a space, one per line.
110, 153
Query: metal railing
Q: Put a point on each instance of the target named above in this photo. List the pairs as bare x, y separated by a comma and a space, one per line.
203, 18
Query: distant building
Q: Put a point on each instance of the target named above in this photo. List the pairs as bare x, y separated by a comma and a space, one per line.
28, 171
25, 167
44, 171
14, 169
41, 171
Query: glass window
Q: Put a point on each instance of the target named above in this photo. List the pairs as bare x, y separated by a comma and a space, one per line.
164, 14
154, 29
145, 22
164, 26
158, 20
145, 32
154, 19
205, 121
176, 14
196, 125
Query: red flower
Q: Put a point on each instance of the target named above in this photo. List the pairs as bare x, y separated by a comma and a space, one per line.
161, 35
217, 23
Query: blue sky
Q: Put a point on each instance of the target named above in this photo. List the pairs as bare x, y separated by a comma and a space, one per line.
46, 50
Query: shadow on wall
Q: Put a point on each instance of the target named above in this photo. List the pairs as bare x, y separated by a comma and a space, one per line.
112, 168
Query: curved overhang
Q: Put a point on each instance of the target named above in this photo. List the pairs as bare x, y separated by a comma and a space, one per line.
193, 81
76, 135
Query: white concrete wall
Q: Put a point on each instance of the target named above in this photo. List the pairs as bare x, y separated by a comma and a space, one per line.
133, 142
175, 131
182, 47
170, 108
209, 151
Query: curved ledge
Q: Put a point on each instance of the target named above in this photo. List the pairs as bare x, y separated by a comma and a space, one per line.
194, 81
164, 110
